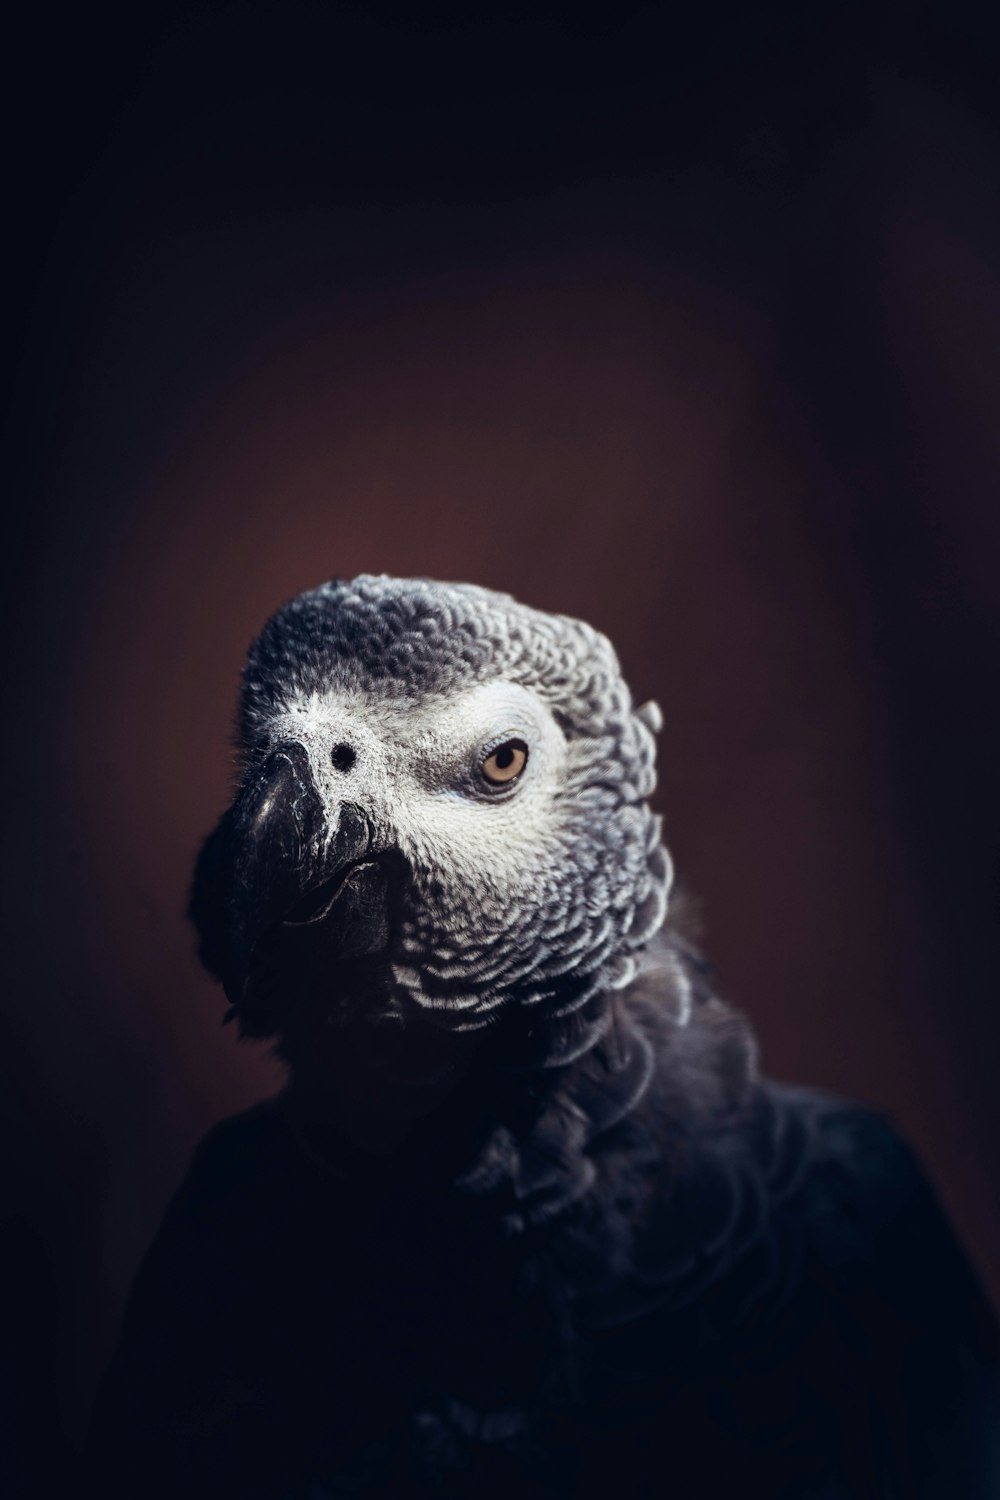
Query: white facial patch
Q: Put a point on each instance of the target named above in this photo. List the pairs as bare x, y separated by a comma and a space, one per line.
420, 764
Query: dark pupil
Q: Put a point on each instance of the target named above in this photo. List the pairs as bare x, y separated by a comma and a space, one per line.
343, 757
504, 756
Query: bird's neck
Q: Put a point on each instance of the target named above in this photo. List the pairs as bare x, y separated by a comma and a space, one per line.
523, 1116
372, 1097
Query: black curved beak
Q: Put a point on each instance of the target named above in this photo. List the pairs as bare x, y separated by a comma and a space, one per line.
303, 899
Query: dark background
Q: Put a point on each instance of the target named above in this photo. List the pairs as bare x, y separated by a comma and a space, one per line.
682, 320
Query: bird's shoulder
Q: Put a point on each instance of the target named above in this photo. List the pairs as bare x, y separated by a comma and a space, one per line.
857, 1181
240, 1198
799, 1204
875, 1225
846, 1159
241, 1160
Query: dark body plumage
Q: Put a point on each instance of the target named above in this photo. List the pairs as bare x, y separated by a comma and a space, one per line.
601, 1257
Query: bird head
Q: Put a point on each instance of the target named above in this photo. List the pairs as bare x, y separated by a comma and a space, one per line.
441, 813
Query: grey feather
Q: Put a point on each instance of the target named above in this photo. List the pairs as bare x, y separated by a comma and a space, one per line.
526, 1219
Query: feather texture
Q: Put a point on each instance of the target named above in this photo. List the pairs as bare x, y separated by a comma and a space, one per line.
526, 1220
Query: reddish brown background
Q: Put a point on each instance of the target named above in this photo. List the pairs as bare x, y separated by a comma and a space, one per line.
688, 330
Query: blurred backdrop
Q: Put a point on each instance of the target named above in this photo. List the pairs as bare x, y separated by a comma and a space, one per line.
685, 322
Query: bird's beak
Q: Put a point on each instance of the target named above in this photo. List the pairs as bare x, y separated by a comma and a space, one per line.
311, 892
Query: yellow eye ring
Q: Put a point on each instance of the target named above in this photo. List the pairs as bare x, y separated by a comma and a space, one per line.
505, 764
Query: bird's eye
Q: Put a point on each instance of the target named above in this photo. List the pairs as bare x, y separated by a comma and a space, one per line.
506, 762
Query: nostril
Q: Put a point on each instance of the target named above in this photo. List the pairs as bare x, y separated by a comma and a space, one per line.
343, 757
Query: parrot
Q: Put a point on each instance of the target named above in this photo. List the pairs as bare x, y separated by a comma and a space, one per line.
526, 1218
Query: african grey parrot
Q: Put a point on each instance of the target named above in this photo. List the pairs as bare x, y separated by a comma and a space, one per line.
525, 1220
